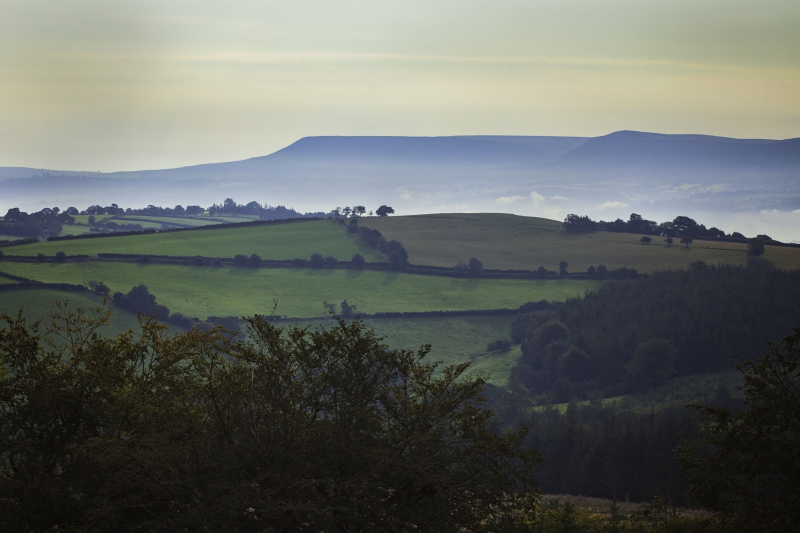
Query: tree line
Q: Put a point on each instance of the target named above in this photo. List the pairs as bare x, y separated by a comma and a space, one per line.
393, 249
44, 223
680, 226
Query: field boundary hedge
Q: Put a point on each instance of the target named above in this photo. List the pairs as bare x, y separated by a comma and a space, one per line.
38, 285
425, 270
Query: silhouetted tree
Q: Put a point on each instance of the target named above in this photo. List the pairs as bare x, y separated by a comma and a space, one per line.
474, 267
687, 241
347, 310
254, 261
575, 223
357, 261
98, 286
562, 268
396, 253
384, 210
646, 240
747, 467
755, 247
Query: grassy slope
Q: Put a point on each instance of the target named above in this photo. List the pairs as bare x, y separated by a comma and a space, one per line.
515, 242
453, 340
37, 303
284, 241
205, 291
182, 221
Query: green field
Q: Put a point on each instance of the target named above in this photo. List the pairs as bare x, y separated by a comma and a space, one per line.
84, 219
179, 221
453, 340
230, 219
37, 303
514, 242
279, 241
74, 229
205, 291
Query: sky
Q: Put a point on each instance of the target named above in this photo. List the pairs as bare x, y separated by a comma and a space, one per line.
121, 85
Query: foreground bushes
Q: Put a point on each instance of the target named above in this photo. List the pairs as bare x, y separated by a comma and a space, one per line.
286, 430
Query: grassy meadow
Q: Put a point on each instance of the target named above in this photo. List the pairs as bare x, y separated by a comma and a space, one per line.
37, 303
178, 221
514, 242
279, 241
453, 340
206, 291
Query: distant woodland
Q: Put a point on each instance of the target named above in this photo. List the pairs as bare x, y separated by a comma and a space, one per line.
630, 336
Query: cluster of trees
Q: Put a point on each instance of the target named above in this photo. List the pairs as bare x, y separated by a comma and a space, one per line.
632, 335
350, 212
264, 212
359, 211
243, 261
347, 310
279, 430
747, 466
393, 249
608, 451
681, 226
473, 267
140, 300
736, 457
41, 224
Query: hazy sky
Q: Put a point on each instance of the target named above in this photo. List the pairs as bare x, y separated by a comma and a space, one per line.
117, 84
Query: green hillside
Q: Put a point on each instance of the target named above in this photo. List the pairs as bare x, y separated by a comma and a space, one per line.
37, 303
279, 241
514, 242
453, 340
206, 291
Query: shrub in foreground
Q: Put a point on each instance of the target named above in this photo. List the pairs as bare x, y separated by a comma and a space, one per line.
282, 430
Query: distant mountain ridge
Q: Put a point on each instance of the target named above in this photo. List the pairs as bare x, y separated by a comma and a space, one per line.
658, 174
623, 149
